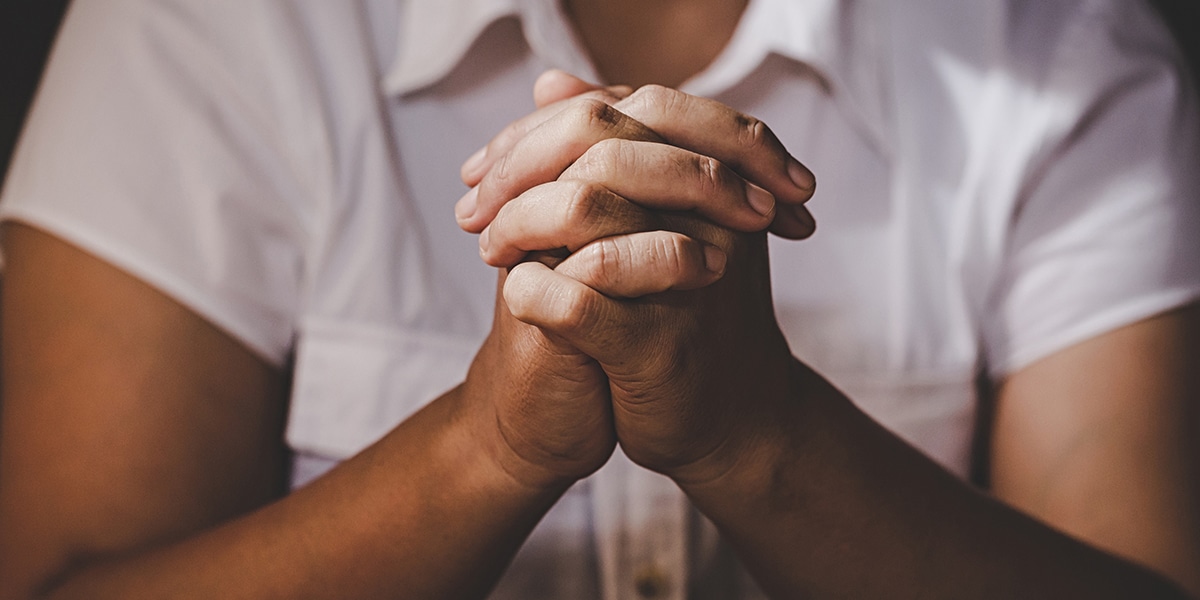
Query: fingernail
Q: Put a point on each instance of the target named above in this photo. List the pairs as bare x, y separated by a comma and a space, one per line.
714, 259
466, 206
801, 176
760, 200
805, 217
474, 161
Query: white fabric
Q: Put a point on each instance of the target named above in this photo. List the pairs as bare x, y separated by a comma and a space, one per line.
997, 181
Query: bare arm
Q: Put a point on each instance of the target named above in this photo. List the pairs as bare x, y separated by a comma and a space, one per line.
143, 456
821, 501
841, 507
164, 439
1100, 440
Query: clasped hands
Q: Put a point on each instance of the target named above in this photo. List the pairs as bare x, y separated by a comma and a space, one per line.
634, 299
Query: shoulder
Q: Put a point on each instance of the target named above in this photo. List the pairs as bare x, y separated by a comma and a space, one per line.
1043, 69
1074, 47
260, 44
281, 78
198, 141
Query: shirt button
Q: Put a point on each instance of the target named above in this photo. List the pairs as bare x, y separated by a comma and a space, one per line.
650, 582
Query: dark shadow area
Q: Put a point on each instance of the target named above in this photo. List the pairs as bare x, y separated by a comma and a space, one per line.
27, 29
1183, 17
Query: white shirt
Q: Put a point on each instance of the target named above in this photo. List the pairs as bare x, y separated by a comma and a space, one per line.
997, 181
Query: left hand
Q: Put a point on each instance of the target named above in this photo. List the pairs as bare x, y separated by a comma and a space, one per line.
704, 391
575, 118
695, 375
699, 377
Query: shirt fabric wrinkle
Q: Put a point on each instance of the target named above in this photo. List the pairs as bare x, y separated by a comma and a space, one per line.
923, 126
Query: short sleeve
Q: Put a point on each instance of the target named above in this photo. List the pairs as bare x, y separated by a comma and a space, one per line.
158, 143
1107, 229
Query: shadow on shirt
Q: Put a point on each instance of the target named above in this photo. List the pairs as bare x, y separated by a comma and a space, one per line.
28, 27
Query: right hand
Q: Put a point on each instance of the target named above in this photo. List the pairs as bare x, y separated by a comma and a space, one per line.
543, 405
548, 403
574, 116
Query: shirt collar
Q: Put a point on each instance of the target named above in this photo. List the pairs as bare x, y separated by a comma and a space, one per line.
845, 43
435, 35
803, 31
825, 35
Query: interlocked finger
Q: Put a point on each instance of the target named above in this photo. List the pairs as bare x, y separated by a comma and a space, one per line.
538, 148
621, 186
543, 154
560, 214
567, 308
649, 262
475, 167
664, 177
711, 128
555, 85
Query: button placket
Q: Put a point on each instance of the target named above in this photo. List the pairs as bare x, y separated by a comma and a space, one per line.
641, 525
651, 583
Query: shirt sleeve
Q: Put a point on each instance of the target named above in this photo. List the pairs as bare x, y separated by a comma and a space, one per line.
1107, 229
158, 143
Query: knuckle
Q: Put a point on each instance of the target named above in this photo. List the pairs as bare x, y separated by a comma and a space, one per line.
610, 258
534, 297
573, 309
657, 96
752, 132
712, 176
671, 254
602, 160
592, 211
592, 114
501, 174
610, 150
598, 264
581, 208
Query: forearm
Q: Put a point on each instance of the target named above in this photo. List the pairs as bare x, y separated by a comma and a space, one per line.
843, 508
424, 513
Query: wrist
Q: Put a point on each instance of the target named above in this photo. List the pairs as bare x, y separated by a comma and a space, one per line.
501, 450
772, 432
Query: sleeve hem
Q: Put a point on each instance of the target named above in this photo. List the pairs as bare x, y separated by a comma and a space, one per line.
1104, 322
267, 345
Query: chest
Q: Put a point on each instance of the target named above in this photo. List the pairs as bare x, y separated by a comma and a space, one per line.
870, 300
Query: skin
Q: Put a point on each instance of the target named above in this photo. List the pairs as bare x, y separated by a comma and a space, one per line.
187, 503
187, 500
620, 34
770, 459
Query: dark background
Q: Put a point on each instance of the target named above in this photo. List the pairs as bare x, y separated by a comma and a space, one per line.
27, 29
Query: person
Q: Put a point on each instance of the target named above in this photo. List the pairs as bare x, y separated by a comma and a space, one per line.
228, 221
